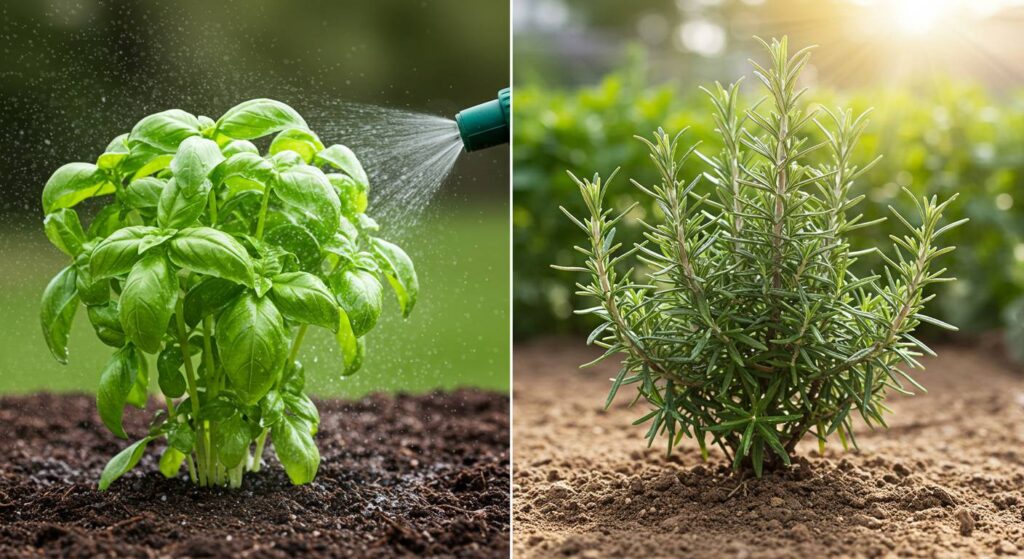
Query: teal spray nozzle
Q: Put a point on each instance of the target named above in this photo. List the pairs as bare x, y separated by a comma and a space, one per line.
486, 125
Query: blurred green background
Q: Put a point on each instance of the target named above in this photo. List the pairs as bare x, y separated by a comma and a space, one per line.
74, 74
945, 79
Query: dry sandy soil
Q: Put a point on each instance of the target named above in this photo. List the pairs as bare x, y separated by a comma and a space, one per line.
947, 480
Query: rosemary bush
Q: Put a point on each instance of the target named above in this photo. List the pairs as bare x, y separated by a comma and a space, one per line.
215, 259
749, 329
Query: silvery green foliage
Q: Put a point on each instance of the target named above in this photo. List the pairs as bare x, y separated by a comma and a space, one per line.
738, 320
210, 261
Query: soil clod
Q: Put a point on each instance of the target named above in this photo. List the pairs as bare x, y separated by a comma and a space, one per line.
966, 520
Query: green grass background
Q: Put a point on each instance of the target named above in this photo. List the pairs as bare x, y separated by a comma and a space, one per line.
456, 336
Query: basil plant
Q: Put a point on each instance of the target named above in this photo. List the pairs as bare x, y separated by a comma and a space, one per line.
210, 261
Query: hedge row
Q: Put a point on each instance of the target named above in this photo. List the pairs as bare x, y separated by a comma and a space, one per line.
944, 138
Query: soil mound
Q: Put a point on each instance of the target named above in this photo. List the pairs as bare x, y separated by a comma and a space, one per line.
945, 480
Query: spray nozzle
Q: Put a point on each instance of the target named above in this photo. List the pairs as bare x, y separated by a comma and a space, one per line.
486, 124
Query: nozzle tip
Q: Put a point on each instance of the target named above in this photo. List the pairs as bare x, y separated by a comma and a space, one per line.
487, 124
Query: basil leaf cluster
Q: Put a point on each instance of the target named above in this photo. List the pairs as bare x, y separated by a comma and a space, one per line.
211, 258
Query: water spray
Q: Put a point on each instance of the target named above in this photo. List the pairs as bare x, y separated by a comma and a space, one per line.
487, 124
408, 155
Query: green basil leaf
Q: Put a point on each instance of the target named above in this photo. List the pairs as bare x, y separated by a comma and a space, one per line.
243, 171
164, 131
234, 147
139, 394
353, 196
342, 158
294, 378
116, 254
116, 152
218, 409
274, 260
263, 285
116, 382
147, 301
168, 367
208, 297
206, 125
297, 240
352, 348
139, 156
107, 220
144, 193
302, 406
308, 189
398, 268
65, 231
365, 261
360, 295
271, 409
296, 449
257, 118
232, 440
213, 253
286, 159
192, 164
90, 291
150, 241
301, 141
367, 223
341, 245
253, 343
302, 297
105, 322
252, 423
170, 462
244, 208
182, 437
60, 301
73, 183
123, 462
347, 230
150, 165
178, 209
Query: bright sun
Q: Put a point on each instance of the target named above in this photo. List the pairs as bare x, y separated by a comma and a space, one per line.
911, 39
916, 17
924, 17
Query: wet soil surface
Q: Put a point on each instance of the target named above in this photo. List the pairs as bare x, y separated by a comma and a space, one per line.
399, 475
946, 480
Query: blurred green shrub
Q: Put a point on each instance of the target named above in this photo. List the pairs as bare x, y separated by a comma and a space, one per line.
944, 138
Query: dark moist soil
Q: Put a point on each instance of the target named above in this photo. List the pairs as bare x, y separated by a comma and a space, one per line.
946, 480
401, 475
